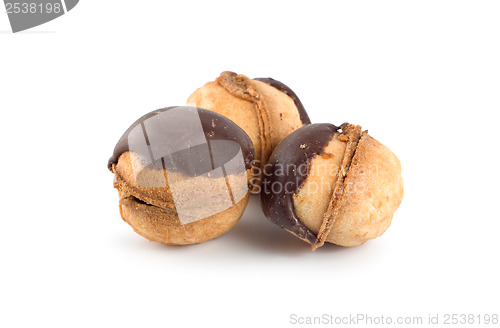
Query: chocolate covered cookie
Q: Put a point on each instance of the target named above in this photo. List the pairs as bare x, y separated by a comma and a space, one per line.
329, 184
266, 109
182, 174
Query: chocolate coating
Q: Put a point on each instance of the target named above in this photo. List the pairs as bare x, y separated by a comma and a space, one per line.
222, 139
289, 92
297, 149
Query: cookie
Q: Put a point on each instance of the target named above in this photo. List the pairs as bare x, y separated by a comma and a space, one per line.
182, 175
330, 184
266, 109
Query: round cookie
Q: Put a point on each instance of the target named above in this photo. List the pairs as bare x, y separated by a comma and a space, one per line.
330, 184
182, 175
266, 109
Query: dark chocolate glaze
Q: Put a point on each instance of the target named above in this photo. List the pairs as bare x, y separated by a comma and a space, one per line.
288, 167
289, 92
224, 139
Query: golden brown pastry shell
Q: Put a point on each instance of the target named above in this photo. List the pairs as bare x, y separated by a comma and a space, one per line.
151, 212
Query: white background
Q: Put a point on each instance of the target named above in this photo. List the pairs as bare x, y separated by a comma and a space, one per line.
422, 76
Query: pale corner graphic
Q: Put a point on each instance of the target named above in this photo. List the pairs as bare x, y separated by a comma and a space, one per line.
25, 14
